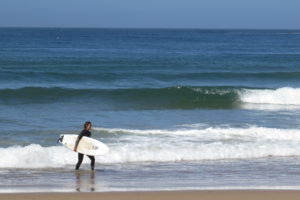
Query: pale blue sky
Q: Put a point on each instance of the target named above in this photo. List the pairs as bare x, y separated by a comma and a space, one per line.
259, 14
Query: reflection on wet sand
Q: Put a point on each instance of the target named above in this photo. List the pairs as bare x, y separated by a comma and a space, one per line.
85, 181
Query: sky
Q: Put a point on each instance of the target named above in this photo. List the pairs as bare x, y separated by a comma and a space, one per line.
205, 14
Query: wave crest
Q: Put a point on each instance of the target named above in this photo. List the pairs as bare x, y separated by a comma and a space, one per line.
156, 98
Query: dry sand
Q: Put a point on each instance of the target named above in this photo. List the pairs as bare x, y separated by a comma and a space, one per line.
165, 195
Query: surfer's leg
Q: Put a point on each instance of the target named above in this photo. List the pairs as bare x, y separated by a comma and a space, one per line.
80, 159
92, 162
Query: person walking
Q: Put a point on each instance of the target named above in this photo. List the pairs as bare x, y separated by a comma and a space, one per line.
85, 132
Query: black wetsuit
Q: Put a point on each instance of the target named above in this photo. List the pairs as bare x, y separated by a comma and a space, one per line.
80, 155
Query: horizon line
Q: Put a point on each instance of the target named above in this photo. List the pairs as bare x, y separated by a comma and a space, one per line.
162, 28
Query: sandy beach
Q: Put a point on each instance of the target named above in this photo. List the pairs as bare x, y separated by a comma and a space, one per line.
162, 195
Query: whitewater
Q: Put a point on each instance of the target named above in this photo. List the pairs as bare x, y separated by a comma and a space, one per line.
280, 96
184, 144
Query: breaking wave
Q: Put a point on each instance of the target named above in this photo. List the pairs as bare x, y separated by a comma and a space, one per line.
185, 144
186, 97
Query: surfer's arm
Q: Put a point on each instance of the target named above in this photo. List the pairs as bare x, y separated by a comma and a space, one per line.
77, 141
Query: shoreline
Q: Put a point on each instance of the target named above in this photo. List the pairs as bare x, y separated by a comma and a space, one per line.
162, 195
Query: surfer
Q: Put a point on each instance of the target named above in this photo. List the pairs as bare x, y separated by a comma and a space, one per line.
85, 132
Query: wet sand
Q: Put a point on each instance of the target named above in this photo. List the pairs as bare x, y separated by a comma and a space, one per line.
162, 195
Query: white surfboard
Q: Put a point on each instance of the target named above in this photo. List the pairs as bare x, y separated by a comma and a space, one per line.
87, 145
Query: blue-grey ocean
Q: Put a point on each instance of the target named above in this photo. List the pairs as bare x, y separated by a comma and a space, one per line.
178, 108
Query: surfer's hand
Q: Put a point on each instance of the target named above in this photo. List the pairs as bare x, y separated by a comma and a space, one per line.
75, 149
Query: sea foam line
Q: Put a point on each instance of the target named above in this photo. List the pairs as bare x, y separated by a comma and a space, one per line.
251, 131
165, 146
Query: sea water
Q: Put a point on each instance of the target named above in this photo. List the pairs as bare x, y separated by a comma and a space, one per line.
179, 109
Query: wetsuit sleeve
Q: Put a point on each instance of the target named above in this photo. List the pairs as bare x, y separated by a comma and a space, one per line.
79, 138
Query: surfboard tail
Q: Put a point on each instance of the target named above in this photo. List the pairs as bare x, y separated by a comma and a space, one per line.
60, 139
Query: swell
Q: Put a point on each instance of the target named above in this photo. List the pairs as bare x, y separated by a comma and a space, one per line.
100, 75
144, 98
187, 97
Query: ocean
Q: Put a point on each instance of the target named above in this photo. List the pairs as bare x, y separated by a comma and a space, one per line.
179, 108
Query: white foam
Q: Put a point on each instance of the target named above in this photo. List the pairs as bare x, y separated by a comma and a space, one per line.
35, 156
280, 96
209, 143
221, 132
165, 146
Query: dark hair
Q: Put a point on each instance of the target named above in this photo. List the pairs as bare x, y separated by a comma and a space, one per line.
86, 124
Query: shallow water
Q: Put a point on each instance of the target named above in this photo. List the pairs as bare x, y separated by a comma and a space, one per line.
270, 173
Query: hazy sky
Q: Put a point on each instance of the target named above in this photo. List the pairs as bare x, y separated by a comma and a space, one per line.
267, 14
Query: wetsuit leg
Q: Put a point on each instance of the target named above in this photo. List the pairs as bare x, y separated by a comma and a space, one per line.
80, 159
92, 158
